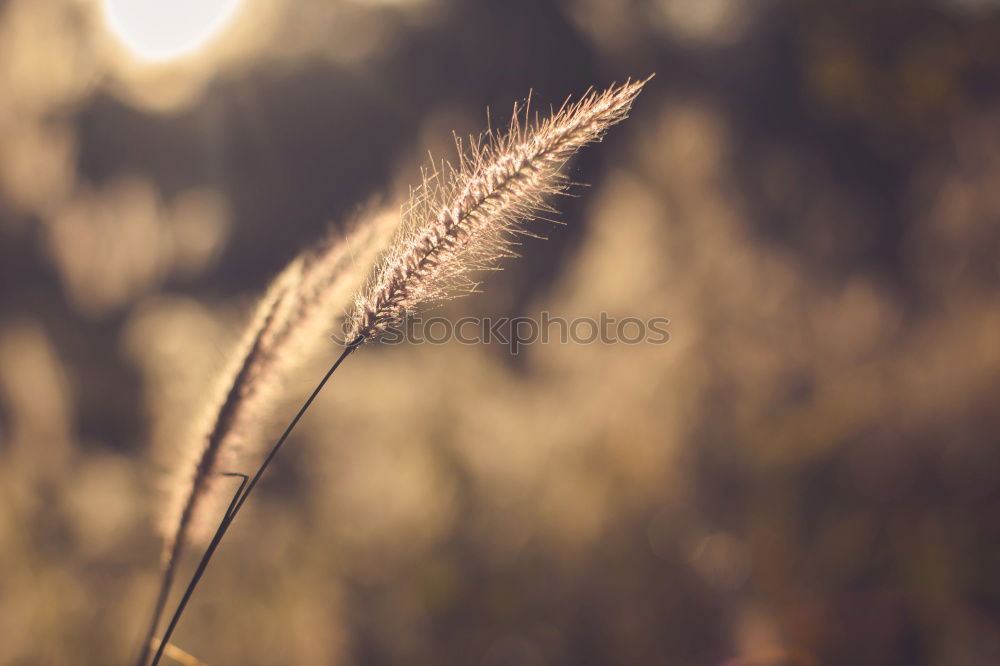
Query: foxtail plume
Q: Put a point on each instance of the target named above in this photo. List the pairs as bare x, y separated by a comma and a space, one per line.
296, 311
464, 218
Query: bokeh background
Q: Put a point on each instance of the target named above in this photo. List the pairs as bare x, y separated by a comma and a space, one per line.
807, 474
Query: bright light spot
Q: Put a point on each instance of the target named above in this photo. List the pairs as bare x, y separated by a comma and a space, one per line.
165, 29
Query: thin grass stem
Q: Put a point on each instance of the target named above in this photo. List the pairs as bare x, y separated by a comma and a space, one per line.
240, 498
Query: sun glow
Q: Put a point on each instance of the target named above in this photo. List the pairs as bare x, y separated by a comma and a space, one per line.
158, 30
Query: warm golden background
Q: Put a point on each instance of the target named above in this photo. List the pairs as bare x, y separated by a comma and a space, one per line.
808, 474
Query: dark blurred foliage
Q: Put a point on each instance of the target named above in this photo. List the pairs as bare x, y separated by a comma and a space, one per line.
808, 473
